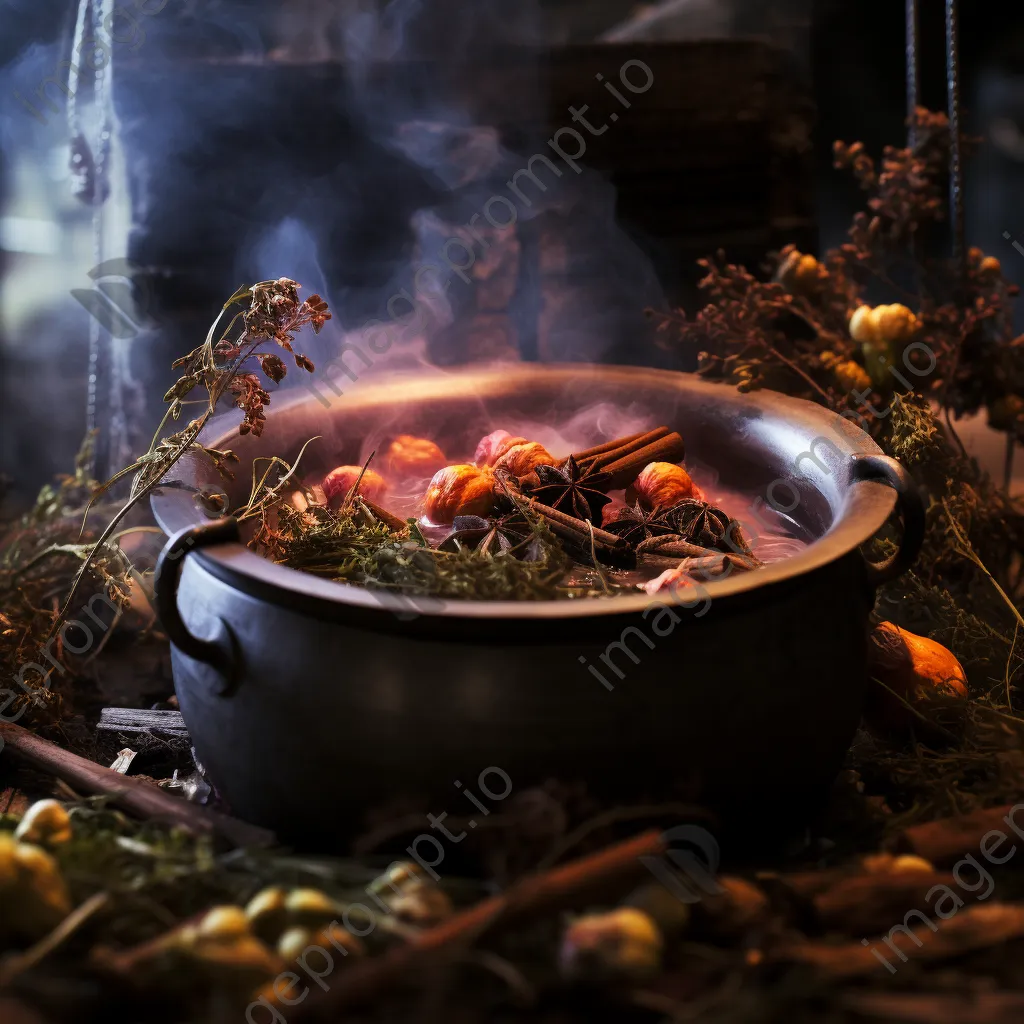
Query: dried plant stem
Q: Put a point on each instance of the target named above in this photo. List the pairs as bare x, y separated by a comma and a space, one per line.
42, 949
968, 552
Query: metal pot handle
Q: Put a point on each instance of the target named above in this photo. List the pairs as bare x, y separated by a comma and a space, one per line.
221, 652
882, 469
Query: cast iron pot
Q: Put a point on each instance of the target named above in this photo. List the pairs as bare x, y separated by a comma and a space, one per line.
312, 703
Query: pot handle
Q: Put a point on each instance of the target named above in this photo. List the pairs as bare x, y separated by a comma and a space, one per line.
220, 653
882, 469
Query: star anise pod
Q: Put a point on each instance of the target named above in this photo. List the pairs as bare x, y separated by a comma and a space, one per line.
701, 523
635, 524
571, 491
508, 533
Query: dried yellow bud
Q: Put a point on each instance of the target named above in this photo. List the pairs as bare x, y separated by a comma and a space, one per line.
800, 272
309, 908
266, 913
990, 267
33, 896
883, 327
46, 823
851, 376
293, 942
625, 943
226, 922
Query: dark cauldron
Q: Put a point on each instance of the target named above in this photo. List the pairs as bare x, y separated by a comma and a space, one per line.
311, 703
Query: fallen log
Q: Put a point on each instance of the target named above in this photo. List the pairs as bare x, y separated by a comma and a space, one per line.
134, 795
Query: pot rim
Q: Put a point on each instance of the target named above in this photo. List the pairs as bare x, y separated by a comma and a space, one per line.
867, 504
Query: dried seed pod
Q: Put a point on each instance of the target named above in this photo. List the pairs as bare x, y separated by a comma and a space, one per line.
494, 445
309, 908
293, 942
461, 490
800, 272
409, 456
883, 333
989, 267
850, 376
624, 944
662, 485
339, 482
904, 864
522, 459
266, 913
46, 823
226, 922
883, 327
917, 675
33, 896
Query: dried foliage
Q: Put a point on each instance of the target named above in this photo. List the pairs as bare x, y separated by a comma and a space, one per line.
942, 348
218, 367
353, 544
40, 554
791, 331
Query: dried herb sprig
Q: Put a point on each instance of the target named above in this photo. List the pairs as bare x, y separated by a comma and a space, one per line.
218, 367
345, 546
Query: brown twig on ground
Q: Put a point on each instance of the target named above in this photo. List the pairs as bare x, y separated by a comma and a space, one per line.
943, 842
134, 795
562, 888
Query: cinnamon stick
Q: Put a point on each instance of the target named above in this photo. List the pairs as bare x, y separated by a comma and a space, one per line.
626, 469
618, 443
141, 798
614, 451
567, 887
614, 549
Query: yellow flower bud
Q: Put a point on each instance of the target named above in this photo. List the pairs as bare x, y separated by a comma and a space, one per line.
224, 923
33, 896
883, 327
624, 943
46, 823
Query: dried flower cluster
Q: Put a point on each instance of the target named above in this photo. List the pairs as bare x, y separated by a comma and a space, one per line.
218, 367
809, 329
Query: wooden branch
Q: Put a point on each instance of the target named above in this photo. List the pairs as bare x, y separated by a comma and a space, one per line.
980, 926
869, 904
563, 888
140, 798
945, 841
